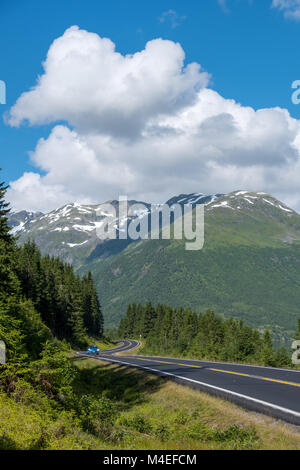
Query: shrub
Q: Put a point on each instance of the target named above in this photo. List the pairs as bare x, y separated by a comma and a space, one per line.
238, 436
162, 432
139, 423
97, 415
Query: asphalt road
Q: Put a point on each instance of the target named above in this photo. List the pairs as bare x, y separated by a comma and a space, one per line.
272, 391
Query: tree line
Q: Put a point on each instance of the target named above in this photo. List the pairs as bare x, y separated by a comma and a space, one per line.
179, 331
41, 298
68, 305
45, 310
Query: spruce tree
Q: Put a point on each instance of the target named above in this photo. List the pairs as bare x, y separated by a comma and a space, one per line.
267, 352
298, 331
4, 211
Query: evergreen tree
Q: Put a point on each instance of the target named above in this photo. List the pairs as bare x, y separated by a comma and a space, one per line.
181, 331
4, 211
298, 331
267, 352
148, 319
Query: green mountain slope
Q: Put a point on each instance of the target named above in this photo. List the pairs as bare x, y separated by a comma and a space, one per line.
249, 267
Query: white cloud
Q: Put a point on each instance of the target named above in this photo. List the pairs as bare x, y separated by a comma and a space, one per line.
223, 5
90, 85
146, 126
290, 8
32, 192
173, 17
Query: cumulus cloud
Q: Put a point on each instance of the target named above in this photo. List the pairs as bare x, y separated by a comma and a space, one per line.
147, 126
90, 85
290, 8
32, 192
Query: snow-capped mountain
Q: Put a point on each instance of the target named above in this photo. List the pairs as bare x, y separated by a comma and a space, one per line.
252, 243
248, 267
70, 232
193, 199
245, 200
17, 220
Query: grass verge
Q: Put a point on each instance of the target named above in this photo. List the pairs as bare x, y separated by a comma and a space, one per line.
155, 413
115, 407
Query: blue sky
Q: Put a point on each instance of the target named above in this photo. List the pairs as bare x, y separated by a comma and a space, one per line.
248, 48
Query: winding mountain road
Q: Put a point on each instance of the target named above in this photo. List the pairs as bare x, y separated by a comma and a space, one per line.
272, 391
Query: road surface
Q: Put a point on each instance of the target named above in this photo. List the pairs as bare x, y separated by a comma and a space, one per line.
272, 391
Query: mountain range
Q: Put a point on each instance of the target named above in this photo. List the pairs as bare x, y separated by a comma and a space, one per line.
249, 267
70, 232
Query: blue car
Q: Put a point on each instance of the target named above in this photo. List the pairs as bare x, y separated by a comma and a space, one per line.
93, 349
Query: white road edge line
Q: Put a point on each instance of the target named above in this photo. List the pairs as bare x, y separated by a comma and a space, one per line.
256, 400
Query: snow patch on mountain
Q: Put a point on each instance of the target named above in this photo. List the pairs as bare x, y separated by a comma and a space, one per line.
244, 200
223, 204
17, 229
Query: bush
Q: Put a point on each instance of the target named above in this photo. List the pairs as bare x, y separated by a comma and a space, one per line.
242, 437
138, 423
97, 415
181, 417
162, 432
53, 373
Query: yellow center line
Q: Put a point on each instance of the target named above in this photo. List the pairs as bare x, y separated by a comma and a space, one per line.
281, 381
189, 365
221, 370
172, 363
257, 377
152, 360
165, 362
230, 372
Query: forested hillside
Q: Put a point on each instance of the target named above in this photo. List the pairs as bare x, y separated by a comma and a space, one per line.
51, 400
248, 268
173, 332
41, 298
45, 309
68, 305
45, 300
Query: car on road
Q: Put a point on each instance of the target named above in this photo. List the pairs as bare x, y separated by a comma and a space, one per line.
93, 349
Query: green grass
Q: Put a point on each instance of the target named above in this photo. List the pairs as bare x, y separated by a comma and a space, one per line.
155, 413
104, 343
28, 427
136, 410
